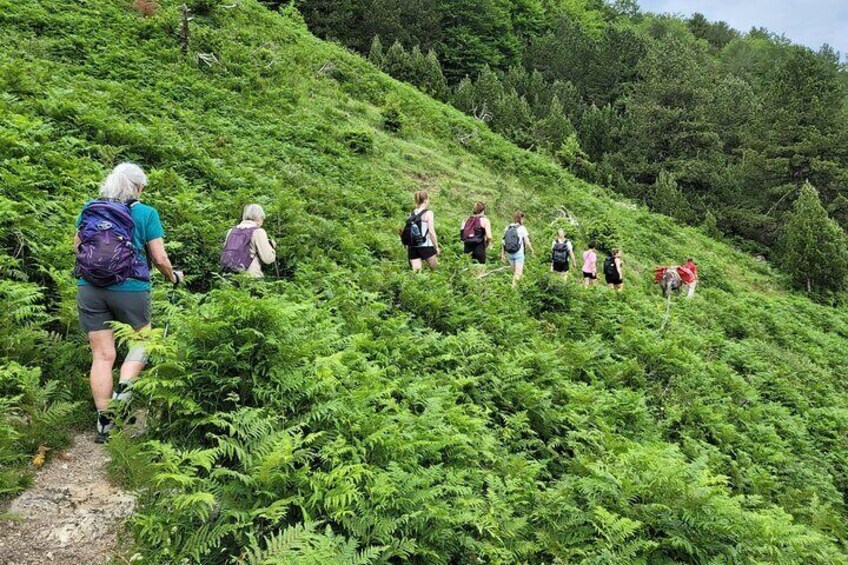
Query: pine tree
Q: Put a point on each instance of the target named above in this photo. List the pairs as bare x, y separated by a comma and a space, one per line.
597, 129
571, 155
812, 246
710, 225
668, 199
555, 128
397, 62
488, 89
434, 82
513, 118
463, 97
376, 55
838, 210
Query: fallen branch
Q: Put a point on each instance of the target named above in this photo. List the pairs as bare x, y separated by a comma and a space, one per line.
493, 271
327, 68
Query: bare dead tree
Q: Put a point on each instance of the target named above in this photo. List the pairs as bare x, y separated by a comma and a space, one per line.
465, 137
483, 114
568, 216
184, 36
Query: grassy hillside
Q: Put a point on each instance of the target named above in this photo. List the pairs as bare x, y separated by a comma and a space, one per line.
348, 409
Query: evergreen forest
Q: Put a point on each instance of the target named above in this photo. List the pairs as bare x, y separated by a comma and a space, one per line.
347, 410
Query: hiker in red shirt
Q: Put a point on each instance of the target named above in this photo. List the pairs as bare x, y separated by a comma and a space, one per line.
689, 274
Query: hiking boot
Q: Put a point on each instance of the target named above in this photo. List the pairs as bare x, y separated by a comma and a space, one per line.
123, 392
105, 424
120, 404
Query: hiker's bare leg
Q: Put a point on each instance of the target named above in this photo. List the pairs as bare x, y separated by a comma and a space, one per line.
517, 272
134, 362
102, 360
415, 264
690, 292
433, 262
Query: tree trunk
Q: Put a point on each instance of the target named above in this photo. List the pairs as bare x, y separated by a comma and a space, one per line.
184, 30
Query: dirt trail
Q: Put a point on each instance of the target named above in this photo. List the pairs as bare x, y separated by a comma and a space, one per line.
70, 515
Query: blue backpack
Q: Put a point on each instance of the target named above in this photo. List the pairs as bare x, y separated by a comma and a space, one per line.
106, 255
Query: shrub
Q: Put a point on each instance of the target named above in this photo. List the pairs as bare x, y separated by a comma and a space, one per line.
392, 119
359, 142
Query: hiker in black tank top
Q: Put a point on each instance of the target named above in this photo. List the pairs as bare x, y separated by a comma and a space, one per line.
429, 250
476, 234
613, 270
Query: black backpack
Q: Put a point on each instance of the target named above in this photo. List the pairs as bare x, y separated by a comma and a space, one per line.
412, 235
512, 243
560, 252
609, 267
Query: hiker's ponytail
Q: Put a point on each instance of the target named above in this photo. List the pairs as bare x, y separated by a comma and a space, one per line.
421, 197
479, 208
519, 217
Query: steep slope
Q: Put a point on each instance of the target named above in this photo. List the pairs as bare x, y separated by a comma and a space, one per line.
352, 407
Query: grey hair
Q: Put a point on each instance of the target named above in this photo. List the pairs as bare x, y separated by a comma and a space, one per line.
253, 212
123, 183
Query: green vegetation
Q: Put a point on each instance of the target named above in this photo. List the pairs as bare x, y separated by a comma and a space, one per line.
351, 411
740, 120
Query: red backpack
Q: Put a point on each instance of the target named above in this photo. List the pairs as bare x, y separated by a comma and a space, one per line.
472, 231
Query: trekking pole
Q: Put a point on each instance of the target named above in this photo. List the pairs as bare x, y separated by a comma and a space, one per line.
667, 313
172, 295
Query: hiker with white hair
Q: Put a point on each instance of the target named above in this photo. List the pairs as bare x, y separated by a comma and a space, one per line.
116, 237
246, 246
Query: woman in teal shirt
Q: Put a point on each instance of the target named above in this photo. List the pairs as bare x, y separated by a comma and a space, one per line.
127, 302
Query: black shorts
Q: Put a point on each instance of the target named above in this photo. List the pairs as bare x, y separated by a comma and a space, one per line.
477, 250
590, 276
614, 280
560, 267
424, 253
98, 306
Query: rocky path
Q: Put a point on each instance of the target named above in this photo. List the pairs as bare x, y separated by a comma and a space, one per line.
70, 515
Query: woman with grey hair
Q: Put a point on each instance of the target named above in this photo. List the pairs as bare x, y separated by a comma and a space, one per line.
247, 246
116, 234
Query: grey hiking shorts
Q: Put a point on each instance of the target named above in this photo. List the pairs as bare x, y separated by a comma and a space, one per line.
98, 306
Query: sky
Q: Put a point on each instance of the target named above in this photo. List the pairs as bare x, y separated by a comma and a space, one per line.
808, 22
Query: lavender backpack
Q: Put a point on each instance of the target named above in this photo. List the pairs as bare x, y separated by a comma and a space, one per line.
236, 257
106, 255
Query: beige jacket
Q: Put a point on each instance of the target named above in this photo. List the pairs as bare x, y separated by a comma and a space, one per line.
261, 249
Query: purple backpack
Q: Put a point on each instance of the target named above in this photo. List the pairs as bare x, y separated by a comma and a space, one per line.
236, 257
106, 255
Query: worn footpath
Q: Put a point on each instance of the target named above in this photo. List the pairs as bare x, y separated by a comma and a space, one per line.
70, 515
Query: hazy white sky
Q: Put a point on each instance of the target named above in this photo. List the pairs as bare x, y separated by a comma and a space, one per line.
808, 22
